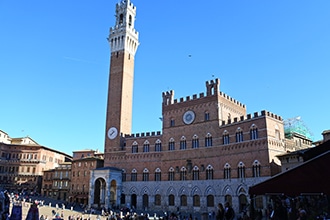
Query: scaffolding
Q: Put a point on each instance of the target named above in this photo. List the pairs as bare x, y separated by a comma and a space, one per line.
296, 126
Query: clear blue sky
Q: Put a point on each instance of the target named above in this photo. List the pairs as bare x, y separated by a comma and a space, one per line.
54, 62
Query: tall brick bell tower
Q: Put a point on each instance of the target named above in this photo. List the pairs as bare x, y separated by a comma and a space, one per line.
123, 40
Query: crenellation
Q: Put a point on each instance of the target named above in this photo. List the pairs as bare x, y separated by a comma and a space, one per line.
249, 117
168, 97
143, 134
212, 87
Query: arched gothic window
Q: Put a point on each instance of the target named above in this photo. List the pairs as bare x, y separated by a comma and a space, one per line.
145, 175
195, 141
183, 200
146, 146
171, 144
135, 147
158, 146
253, 132
209, 172
123, 175
134, 175
239, 135
225, 137
158, 175
208, 140
171, 200
183, 143
183, 173
241, 170
256, 168
196, 201
195, 173
227, 171
171, 174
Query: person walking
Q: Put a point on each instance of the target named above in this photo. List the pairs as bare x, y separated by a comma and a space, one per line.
229, 212
220, 213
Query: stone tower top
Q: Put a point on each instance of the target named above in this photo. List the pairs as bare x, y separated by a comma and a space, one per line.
123, 35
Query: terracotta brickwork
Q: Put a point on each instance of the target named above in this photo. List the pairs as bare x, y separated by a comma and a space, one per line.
209, 150
22, 165
83, 162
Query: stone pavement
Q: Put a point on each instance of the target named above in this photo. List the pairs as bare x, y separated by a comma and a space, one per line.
46, 211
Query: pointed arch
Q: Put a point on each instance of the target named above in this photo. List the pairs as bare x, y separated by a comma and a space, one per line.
171, 144
171, 190
239, 134
256, 169
145, 175
195, 141
209, 172
227, 171
241, 170
135, 147
254, 132
208, 140
134, 175
195, 191
158, 145
225, 137
146, 146
158, 174
145, 190
133, 190
183, 143
171, 174
195, 173
183, 173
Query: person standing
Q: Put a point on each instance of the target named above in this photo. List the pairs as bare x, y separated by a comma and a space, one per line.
229, 212
220, 213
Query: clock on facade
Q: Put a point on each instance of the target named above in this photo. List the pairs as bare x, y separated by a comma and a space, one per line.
188, 117
112, 133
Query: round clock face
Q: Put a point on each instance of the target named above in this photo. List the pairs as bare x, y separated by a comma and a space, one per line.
112, 133
188, 117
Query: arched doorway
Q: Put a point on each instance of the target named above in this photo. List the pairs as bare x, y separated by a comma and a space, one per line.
99, 192
133, 201
122, 199
229, 199
113, 192
145, 201
243, 202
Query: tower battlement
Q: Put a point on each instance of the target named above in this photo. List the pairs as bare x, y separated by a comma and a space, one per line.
123, 35
144, 134
212, 89
243, 118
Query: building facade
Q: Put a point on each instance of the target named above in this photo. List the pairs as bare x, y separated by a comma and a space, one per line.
22, 162
210, 149
56, 182
83, 162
